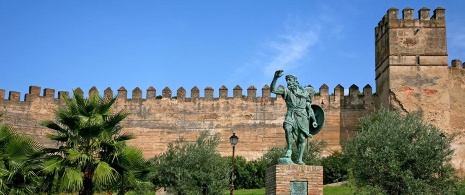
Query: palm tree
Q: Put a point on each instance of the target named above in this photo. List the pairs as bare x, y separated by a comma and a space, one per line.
133, 169
17, 168
87, 132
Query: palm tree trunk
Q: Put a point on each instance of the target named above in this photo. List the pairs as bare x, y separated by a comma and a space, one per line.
87, 187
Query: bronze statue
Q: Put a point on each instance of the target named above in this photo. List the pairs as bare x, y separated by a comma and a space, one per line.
300, 114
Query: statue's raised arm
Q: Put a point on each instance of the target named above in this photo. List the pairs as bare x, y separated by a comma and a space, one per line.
273, 87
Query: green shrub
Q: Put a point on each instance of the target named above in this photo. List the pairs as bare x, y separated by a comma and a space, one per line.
460, 188
192, 168
334, 168
249, 174
400, 154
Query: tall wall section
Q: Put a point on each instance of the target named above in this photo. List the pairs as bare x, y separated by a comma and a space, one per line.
412, 63
413, 74
457, 108
257, 121
457, 94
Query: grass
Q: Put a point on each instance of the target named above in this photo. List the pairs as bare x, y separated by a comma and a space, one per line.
339, 190
248, 192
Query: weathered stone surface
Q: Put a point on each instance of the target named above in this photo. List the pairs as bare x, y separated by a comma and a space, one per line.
156, 122
412, 72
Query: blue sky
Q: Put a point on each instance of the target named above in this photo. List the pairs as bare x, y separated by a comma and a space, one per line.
63, 44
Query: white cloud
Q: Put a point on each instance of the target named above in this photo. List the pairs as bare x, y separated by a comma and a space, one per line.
290, 47
295, 44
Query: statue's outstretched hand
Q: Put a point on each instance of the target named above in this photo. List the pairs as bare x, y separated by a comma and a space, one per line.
315, 125
278, 73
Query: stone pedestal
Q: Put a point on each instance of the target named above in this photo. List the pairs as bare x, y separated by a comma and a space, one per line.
294, 180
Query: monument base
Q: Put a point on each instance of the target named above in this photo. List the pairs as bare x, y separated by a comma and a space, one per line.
294, 180
285, 161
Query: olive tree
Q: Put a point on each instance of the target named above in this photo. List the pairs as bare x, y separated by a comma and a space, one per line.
192, 167
394, 153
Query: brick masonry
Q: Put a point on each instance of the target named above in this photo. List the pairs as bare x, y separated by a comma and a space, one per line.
279, 178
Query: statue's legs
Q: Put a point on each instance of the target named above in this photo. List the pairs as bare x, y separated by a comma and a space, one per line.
301, 148
288, 132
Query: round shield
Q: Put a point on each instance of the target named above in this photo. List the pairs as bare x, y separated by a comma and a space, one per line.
320, 119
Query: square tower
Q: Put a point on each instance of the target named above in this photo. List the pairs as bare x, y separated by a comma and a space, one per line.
412, 64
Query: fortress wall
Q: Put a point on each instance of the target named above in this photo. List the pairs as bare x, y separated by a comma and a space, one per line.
412, 68
412, 72
457, 108
257, 121
457, 92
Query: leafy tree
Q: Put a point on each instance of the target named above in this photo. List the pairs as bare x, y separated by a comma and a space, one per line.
88, 132
400, 154
192, 168
249, 174
334, 168
17, 167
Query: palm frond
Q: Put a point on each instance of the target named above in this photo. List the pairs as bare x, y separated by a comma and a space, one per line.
76, 156
114, 120
52, 163
50, 150
124, 137
52, 125
70, 121
72, 179
60, 138
104, 173
106, 105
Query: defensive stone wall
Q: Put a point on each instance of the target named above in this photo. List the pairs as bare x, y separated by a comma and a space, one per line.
457, 94
457, 110
156, 121
413, 72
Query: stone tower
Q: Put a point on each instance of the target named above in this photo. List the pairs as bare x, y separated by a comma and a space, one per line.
412, 64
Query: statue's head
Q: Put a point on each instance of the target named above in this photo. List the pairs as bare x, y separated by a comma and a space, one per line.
292, 81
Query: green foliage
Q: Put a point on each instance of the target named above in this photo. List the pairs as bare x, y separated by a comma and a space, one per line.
460, 188
249, 174
334, 168
91, 146
400, 154
17, 167
133, 170
192, 168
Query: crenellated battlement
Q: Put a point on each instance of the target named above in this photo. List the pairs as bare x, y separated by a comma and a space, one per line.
323, 96
162, 117
391, 20
456, 63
